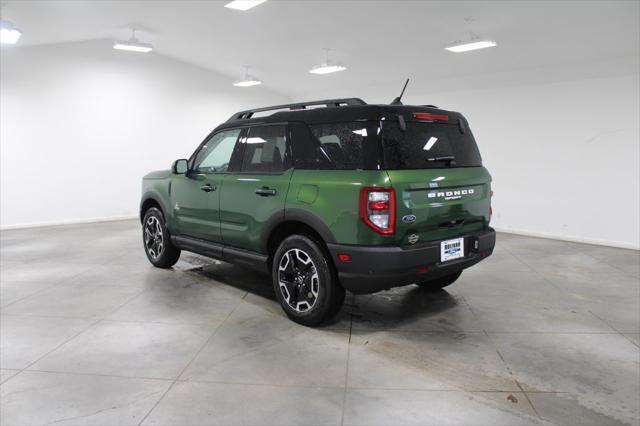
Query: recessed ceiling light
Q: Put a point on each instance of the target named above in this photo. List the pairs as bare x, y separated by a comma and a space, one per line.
133, 44
243, 4
471, 45
8, 33
327, 67
247, 80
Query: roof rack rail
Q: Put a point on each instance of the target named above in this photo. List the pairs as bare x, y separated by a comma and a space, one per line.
329, 103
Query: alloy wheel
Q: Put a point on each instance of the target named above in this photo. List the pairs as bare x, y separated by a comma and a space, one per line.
153, 237
298, 280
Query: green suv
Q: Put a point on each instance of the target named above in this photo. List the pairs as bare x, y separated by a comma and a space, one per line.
328, 196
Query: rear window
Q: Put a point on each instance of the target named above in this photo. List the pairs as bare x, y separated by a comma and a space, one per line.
428, 146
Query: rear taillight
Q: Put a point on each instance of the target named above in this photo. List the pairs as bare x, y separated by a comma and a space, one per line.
427, 116
378, 209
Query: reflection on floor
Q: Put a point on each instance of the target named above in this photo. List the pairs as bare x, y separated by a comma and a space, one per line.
542, 332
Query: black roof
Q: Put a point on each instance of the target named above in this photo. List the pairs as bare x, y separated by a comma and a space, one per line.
330, 110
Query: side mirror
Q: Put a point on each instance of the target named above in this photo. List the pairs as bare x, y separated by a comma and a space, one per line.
179, 167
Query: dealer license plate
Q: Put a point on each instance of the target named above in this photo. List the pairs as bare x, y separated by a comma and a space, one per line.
451, 249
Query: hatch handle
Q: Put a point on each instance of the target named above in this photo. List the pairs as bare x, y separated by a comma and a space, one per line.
451, 223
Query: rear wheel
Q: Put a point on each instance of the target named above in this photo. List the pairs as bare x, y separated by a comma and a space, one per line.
440, 282
304, 282
155, 236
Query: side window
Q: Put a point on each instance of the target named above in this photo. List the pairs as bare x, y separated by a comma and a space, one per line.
264, 149
215, 154
340, 145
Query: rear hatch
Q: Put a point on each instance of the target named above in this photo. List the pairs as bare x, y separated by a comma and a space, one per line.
442, 189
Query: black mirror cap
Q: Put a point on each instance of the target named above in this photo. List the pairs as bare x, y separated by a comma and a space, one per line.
179, 167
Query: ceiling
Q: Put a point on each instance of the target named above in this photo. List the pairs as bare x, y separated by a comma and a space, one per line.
381, 42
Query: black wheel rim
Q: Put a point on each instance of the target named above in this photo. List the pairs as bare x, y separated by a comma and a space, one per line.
298, 280
153, 237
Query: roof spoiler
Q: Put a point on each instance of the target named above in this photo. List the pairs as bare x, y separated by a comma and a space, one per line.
329, 103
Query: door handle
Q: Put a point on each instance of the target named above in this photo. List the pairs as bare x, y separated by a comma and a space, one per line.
265, 192
208, 188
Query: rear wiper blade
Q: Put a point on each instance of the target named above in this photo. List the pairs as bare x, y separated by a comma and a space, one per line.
449, 159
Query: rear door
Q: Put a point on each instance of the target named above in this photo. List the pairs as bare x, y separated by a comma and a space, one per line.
442, 190
256, 194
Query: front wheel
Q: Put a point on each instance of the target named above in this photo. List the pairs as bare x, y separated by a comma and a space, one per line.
440, 283
304, 282
157, 244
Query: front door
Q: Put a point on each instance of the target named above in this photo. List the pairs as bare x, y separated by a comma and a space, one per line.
257, 193
196, 195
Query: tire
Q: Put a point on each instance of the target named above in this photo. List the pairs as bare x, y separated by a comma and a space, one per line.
302, 270
440, 282
156, 240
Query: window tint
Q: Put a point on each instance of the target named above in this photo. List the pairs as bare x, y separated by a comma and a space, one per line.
340, 145
215, 154
264, 149
428, 145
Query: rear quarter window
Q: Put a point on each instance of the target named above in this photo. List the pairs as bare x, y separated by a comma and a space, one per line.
340, 146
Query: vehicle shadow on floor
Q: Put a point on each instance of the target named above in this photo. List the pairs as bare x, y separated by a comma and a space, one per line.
238, 277
401, 305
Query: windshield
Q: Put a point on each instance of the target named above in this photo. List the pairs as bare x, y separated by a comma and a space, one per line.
428, 146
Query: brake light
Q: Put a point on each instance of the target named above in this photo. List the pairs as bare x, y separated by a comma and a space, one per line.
378, 209
427, 116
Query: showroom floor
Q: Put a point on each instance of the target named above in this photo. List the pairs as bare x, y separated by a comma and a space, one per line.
542, 332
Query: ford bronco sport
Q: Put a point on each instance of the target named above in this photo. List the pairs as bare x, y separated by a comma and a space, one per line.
328, 196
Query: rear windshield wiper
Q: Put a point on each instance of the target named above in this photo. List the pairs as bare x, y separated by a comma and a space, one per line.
450, 160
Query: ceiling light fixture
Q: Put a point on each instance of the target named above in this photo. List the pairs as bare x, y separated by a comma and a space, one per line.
243, 4
473, 44
8, 33
248, 80
133, 44
328, 66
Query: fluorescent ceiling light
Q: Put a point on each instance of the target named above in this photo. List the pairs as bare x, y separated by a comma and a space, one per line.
243, 4
471, 45
247, 80
8, 33
133, 44
327, 67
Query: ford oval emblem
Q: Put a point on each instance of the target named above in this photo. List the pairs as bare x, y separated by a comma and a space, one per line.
409, 218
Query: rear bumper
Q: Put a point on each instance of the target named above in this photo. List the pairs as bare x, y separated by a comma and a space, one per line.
375, 268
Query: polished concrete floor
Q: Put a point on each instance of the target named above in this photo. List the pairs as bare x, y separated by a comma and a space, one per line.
543, 332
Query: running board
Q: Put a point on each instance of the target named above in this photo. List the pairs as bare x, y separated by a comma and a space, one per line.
256, 261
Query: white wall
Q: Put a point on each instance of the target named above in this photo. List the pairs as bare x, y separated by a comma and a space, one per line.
564, 156
82, 123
